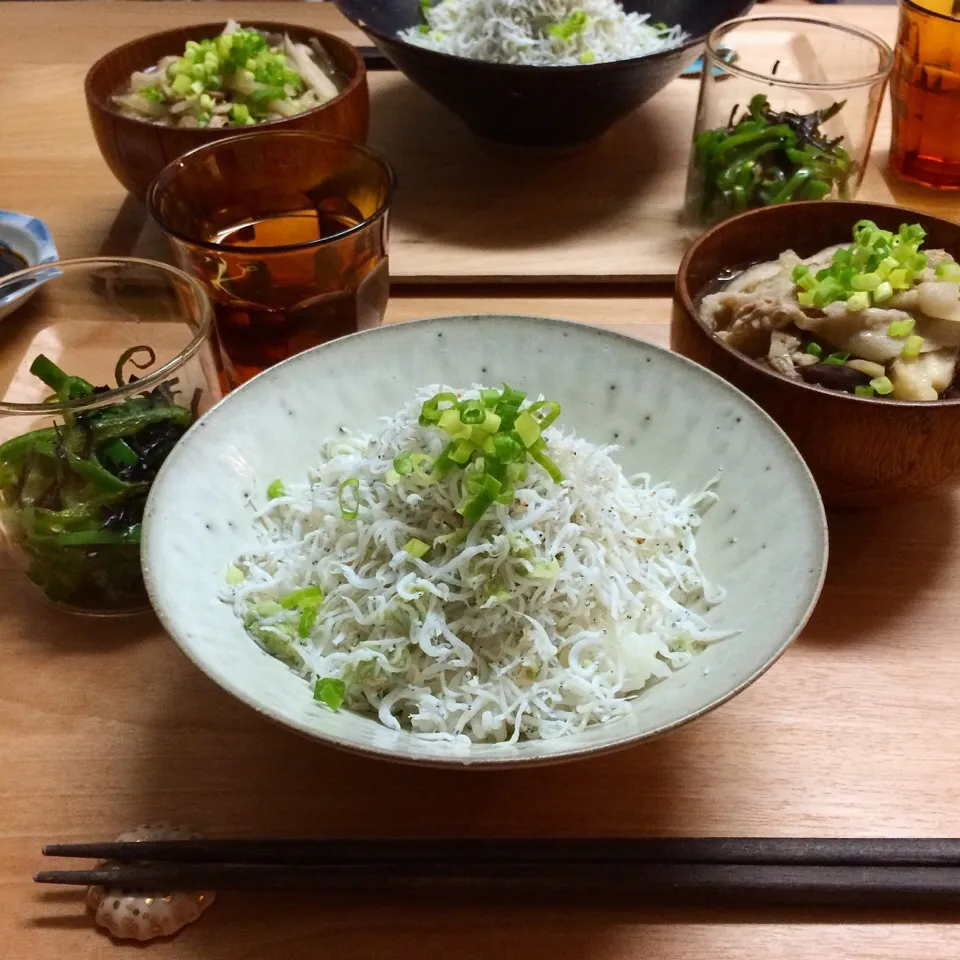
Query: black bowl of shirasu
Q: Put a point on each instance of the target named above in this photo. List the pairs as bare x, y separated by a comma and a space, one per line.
539, 103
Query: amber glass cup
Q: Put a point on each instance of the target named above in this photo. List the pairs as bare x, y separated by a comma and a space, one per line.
288, 233
925, 93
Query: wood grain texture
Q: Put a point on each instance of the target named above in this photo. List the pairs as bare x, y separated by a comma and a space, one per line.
861, 452
102, 726
463, 209
853, 733
137, 150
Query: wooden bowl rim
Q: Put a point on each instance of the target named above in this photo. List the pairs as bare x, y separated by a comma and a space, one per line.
358, 75
683, 295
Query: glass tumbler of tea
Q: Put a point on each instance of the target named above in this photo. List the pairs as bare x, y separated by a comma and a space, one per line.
288, 233
787, 111
103, 367
925, 94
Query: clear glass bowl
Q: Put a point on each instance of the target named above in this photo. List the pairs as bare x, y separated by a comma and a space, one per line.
102, 370
790, 117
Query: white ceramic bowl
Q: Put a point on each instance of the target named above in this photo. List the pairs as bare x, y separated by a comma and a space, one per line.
30, 238
765, 541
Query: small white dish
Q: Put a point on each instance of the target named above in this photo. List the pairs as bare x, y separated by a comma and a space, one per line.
765, 541
29, 238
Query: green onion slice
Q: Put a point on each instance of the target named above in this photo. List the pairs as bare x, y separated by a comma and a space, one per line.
305, 597
348, 497
901, 328
276, 489
308, 618
912, 347
416, 548
545, 412
837, 359
431, 411
472, 412
330, 691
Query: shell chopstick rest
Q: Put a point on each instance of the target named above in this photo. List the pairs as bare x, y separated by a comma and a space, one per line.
139, 915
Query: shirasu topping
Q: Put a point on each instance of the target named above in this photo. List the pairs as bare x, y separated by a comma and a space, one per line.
540, 32
543, 616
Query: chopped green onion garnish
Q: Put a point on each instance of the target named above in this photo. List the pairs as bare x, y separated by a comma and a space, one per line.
416, 548
472, 412
901, 328
431, 410
858, 301
308, 617
912, 347
348, 497
883, 293
528, 430
864, 390
538, 452
463, 450
275, 490
865, 281
330, 691
948, 270
882, 385
870, 271
545, 412
305, 597
234, 575
569, 27
545, 570
403, 464
490, 439
837, 359
814, 349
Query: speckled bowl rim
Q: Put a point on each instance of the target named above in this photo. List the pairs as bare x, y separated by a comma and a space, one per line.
465, 762
682, 292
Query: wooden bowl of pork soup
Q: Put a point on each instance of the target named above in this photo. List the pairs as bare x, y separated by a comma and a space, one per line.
137, 150
862, 451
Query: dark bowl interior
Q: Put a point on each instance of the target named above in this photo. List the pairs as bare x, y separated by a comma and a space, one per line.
541, 106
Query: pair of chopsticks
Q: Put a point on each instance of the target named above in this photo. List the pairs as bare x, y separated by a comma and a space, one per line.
755, 871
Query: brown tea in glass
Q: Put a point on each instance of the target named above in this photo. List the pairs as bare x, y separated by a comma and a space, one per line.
925, 95
288, 232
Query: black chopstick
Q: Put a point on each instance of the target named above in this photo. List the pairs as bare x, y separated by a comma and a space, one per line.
774, 851
685, 883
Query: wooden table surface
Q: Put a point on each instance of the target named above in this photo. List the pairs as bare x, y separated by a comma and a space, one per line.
105, 724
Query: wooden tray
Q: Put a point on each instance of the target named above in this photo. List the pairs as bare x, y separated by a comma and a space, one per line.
466, 211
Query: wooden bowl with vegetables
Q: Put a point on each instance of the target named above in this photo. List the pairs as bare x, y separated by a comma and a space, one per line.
842, 320
152, 100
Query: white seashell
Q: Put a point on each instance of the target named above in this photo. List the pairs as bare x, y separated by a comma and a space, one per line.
137, 915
